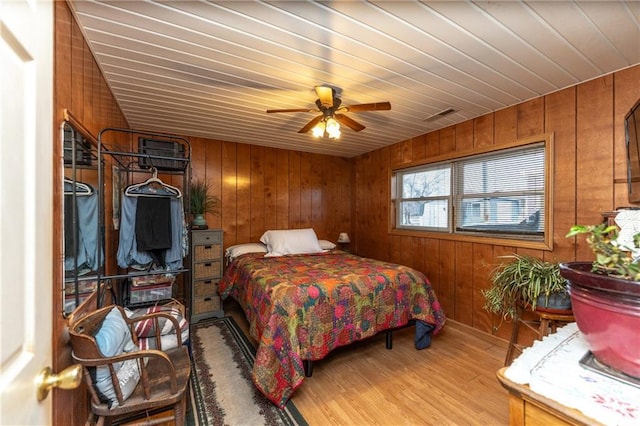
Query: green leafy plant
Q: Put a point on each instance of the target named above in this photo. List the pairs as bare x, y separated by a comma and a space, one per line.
522, 280
612, 257
201, 200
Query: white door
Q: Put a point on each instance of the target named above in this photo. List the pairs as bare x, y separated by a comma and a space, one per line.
26, 207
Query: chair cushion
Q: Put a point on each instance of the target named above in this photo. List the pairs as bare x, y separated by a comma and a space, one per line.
145, 330
114, 338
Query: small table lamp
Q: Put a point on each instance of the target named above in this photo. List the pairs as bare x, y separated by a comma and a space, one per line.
343, 241
344, 238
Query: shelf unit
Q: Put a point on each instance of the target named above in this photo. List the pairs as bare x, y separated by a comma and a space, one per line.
206, 272
126, 164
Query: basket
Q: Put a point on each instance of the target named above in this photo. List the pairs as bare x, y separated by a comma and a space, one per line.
209, 252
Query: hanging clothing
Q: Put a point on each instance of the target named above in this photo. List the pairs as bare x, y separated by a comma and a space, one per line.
85, 252
130, 254
153, 227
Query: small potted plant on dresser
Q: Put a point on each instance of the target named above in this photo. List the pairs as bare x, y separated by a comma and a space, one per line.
201, 203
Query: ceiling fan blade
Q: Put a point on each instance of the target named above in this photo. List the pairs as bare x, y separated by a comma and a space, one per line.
291, 110
325, 94
311, 124
376, 106
349, 122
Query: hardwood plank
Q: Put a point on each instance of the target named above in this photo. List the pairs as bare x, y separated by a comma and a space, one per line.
464, 136
447, 140
560, 116
257, 193
294, 190
505, 125
482, 257
464, 282
306, 163
270, 188
229, 195
483, 131
282, 189
419, 148
213, 173
243, 193
530, 116
594, 165
433, 144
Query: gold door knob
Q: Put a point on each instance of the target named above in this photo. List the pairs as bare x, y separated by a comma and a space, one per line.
69, 378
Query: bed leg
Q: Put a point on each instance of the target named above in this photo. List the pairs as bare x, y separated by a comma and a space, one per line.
308, 367
389, 335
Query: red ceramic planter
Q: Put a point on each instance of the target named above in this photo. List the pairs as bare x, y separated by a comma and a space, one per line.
607, 312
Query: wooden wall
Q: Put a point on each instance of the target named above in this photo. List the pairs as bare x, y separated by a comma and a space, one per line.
590, 178
265, 188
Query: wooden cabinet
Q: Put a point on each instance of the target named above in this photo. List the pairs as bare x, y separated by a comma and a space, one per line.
528, 408
206, 271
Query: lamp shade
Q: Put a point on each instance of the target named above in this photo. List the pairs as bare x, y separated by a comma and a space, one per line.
344, 238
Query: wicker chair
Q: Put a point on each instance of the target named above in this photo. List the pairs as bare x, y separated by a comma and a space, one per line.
163, 375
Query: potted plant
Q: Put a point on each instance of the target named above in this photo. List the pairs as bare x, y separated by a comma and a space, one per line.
528, 281
202, 202
605, 295
613, 258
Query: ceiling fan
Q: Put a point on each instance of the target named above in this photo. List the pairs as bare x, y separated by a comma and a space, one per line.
332, 113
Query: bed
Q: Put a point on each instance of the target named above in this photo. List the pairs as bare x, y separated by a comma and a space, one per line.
301, 304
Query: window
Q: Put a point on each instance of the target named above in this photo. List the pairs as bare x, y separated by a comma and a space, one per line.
425, 200
497, 194
501, 193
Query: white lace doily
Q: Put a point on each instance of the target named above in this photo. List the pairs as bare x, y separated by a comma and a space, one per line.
551, 368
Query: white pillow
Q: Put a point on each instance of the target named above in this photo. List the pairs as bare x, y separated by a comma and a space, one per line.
114, 338
291, 241
326, 245
239, 249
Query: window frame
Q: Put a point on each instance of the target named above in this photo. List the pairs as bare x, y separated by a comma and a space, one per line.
546, 243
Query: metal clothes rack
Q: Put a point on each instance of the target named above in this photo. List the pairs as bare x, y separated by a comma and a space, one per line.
129, 163
75, 136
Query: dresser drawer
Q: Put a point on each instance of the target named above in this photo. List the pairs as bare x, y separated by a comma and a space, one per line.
208, 252
205, 304
207, 270
205, 287
206, 238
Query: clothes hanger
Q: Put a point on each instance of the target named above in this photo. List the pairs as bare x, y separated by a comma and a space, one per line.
165, 190
81, 189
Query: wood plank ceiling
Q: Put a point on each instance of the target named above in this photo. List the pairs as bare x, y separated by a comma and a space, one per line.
212, 69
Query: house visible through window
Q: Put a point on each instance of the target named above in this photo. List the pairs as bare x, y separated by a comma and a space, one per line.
500, 194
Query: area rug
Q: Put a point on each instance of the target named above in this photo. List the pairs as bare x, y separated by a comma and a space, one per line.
222, 392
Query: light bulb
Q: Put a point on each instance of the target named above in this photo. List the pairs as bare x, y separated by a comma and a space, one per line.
318, 130
332, 124
333, 128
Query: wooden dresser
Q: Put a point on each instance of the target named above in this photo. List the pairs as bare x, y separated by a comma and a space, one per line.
529, 408
206, 271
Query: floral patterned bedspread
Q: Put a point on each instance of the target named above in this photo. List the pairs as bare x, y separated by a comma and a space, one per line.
301, 307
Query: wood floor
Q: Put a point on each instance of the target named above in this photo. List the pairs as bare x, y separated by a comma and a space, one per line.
451, 383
